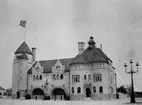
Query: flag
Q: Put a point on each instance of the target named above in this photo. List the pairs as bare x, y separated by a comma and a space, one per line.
23, 23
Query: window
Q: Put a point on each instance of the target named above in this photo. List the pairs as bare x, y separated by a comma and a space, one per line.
33, 77
40, 77
54, 77
31, 85
75, 78
94, 89
72, 89
37, 77
61, 76
84, 77
89, 77
78, 90
72, 78
97, 77
101, 89
57, 76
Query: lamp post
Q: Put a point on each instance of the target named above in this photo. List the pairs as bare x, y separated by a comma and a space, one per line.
132, 95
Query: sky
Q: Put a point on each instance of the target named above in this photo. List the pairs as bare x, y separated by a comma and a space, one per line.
55, 27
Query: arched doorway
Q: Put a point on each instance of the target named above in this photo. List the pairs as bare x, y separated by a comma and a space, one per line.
58, 93
18, 94
38, 93
88, 92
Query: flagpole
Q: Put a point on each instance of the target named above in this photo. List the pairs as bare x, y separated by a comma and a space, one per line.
25, 34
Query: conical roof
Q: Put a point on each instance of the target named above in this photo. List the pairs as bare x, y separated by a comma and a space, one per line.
23, 49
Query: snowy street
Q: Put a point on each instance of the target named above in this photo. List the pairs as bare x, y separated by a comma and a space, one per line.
58, 102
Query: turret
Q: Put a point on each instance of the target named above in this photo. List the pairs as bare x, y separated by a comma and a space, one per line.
21, 64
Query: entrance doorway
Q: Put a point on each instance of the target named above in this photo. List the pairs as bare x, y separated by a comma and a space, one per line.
58, 94
88, 92
18, 94
38, 93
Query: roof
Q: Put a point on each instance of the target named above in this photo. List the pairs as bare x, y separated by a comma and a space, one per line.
47, 65
91, 54
23, 49
30, 70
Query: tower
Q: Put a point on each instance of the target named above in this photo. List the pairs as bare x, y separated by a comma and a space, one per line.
23, 60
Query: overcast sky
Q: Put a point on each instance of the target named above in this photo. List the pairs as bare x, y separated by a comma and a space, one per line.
55, 27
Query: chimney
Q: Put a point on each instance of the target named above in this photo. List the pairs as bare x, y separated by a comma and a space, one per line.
81, 47
101, 46
34, 54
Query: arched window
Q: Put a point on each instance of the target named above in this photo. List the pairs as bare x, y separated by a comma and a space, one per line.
61, 76
101, 89
78, 90
72, 89
33, 77
94, 89
84, 77
37, 77
40, 77
54, 77
57, 76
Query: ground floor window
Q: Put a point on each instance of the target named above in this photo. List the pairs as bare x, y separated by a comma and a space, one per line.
94, 89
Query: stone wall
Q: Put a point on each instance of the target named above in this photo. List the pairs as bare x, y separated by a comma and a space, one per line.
77, 96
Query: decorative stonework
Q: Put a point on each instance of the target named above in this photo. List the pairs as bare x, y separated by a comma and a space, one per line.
37, 69
89, 66
58, 67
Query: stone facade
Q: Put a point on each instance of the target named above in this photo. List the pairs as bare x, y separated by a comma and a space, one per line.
88, 75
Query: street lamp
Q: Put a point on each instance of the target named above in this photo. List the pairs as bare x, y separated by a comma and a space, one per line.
132, 95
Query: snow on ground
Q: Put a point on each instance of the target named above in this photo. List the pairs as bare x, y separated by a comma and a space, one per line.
58, 102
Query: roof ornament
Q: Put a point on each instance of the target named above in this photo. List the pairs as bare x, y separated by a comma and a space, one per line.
91, 42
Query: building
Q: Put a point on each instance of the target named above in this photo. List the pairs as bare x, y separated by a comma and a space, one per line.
89, 74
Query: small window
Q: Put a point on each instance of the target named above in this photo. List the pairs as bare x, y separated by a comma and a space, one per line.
84, 77
57, 76
89, 77
94, 89
78, 90
101, 89
31, 85
61, 76
37, 77
54, 76
40, 77
72, 78
33, 77
72, 89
